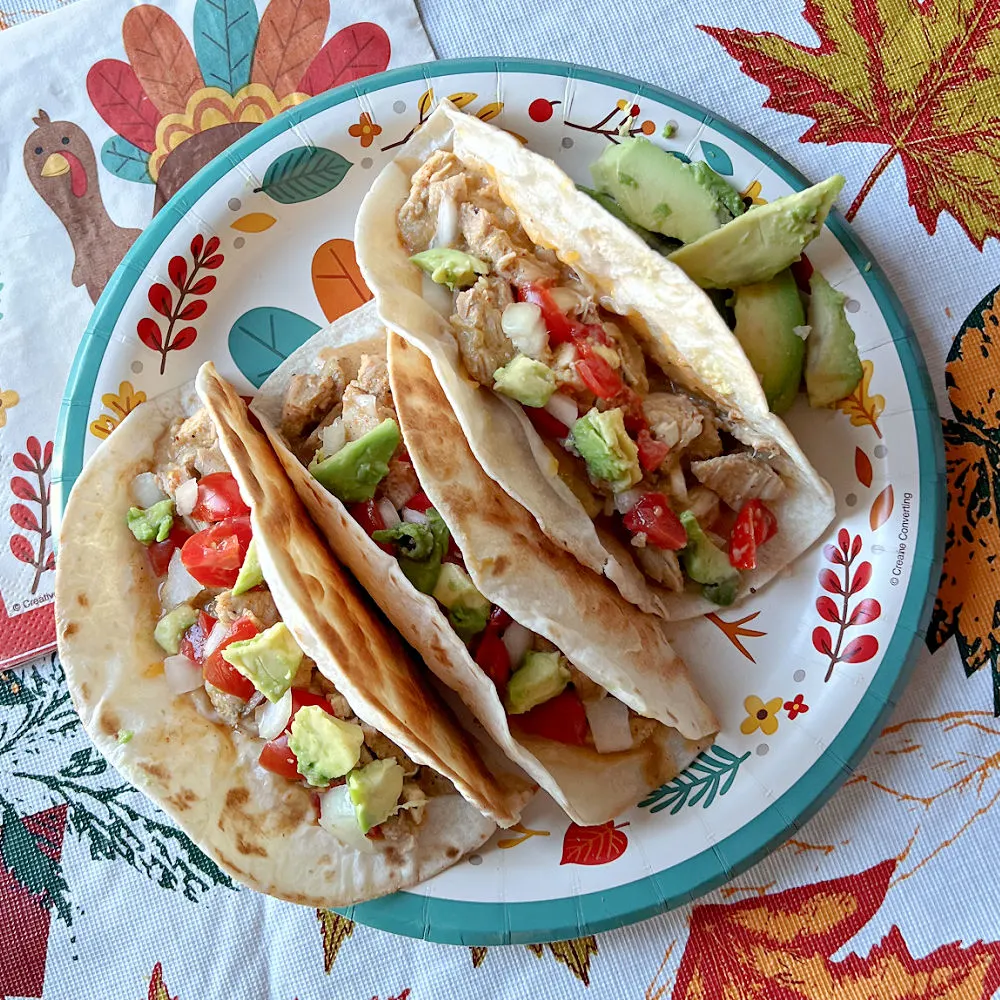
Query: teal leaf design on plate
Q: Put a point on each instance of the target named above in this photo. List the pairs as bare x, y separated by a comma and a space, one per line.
225, 35
126, 160
710, 775
717, 158
263, 337
683, 157
304, 173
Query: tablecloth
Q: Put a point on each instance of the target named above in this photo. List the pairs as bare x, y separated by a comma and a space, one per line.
890, 889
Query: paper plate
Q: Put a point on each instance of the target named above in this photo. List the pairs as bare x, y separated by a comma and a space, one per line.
800, 674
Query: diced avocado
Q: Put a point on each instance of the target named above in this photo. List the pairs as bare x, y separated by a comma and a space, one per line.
604, 444
766, 316
419, 549
655, 241
539, 678
125, 736
761, 242
324, 746
268, 660
704, 562
660, 192
250, 575
468, 610
528, 381
374, 790
723, 593
152, 524
833, 368
352, 473
171, 627
450, 267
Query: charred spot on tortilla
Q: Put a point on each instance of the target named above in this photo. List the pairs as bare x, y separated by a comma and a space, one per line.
70, 628
237, 797
155, 770
244, 846
81, 599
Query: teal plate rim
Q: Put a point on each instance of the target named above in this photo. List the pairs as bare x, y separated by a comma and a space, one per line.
469, 923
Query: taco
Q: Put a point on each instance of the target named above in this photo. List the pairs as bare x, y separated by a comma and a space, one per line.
595, 382
578, 687
230, 669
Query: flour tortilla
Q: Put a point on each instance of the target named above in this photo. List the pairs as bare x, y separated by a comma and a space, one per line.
258, 827
677, 322
515, 566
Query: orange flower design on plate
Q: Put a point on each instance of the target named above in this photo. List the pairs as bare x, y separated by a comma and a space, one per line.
121, 404
8, 400
365, 129
762, 715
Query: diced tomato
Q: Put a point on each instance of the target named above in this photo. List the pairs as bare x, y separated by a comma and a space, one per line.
193, 643
598, 376
563, 719
278, 758
499, 620
160, 553
301, 697
561, 329
634, 415
224, 675
214, 555
370, 518
545, 423
218, 498
653, 517
454, 553
375, 833
419, 502
652, 453
755, 524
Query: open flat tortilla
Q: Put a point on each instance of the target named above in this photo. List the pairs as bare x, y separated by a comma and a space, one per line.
258, 827
680, 327
515, 566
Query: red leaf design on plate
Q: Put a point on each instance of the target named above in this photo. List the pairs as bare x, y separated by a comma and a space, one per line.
50, 563
832, 554
827, 609
120, 100
160, 299
862, 467
862, 576
149, 333
197, 245
855, 546
859, 650
593, 845
21, 549
23, 517
829, 580
194, 309
34, 447
22, 489
203, 285
822, 641
291, 33
844, 540
355, 51
213, 262
162, 58
178, 270
184, 339
211, 246
867, 611
47, 454
23, 462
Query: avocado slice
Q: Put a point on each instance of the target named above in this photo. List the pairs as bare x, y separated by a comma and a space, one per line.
468, 610
762, 242
528, 381
352, 473
766, 317
250, 574
171, 627
374, 790
269, 660
661, 193
604, 444
539, 678
707, 564
324, 746
450, 267
655, 241
833, 368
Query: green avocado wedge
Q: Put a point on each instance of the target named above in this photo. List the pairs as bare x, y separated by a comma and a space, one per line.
757, 245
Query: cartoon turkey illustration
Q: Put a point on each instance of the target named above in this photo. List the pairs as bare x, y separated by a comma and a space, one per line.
60, 163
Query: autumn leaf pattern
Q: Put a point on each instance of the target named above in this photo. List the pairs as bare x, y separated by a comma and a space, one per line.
337, 279
33, 494
335, 930
967, 607
920, 79
863, 407
593, 845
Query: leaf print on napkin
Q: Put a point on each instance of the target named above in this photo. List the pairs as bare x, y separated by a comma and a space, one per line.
355, 51
118, 97
225, 33
162, 58
290, 36
920, 78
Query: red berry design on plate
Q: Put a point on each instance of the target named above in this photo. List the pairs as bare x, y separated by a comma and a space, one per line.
634, 112
540, 110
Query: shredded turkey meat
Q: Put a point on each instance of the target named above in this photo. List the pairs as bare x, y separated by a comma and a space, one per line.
309, 399
256, 604
476, 324
441, 176
661, 565
738, 478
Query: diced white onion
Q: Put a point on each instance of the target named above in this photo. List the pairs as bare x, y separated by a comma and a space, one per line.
180, 586
390, 516
274, 716
566, 299
438, 297
333, 437
802, 331
413, 516
522, 323
181, 674
447, 223
517, 639
678, 486
146, 490
214, 639
608, 720
563, 408
186, 497
337, 817
626, 500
